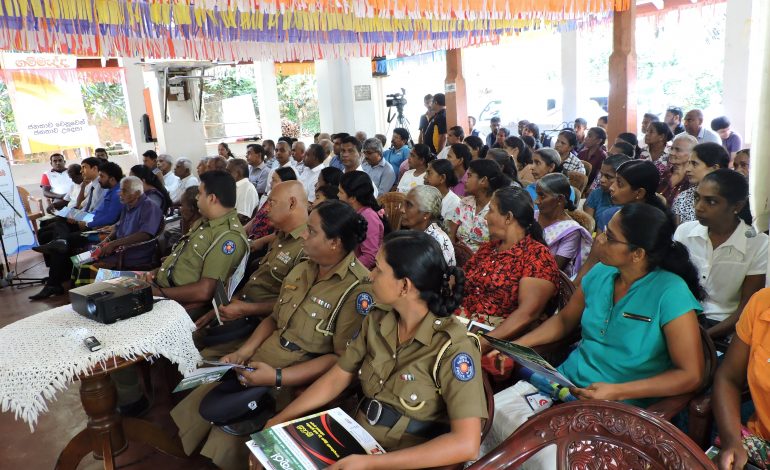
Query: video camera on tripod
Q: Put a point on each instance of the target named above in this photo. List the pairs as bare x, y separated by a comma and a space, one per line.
396, 100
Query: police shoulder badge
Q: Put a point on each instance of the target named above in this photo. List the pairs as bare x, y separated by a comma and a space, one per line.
462, 367
364, 303
228, 247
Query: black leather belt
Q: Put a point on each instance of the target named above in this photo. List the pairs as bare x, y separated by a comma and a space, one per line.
380, 414
286, 344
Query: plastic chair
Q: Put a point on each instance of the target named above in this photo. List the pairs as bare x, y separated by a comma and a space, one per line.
33, 213
599, 434
462, 254
587, 166
154, 263
392, 203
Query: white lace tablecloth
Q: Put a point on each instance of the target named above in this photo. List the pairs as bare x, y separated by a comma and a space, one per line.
44, 353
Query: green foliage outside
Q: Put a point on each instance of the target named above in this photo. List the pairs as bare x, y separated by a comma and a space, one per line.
104, 102
298, 99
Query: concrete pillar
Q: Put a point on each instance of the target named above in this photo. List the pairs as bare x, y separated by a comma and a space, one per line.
454, 89
760, 161
346, 94
622, 99
267, 99
736, 68
133, 91
569, 76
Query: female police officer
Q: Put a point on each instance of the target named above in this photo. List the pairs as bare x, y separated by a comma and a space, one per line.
321, 306
420, 372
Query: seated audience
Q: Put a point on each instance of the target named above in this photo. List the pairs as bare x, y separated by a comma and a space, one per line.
621, 147
545, 162
139, 221
56, 183
92, 193
507, 165
75, 173
361, 136
566, 143
298, 155
593, 151
337, 143
150, 160
313, 163
153, 187
511, 278
216, 164
455, 135
657, 137
283, 160
741, 162
285, 353
223, 150
246, 196
209, 252
693, 124
647, 119
704, 159
522, 155
477, 146
580, 125
459, 156
166, 165
599, 199
444, 397
730, 140
258, 169
422, 211
637, 314
441, 175
259, 230
674, 180
399, 150
60, 249
379, 170
500, 136
188, 213
329, 176
419, 158
631, 139
325, 193
383, 140
469, 226
602, 122
635, 182
568, 241
101, 154
673, 119
356, 190
746, 362
730, 255
183, 170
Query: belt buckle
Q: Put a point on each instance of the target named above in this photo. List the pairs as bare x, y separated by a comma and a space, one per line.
376, 412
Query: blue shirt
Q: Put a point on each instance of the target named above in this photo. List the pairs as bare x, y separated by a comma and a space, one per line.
624, 341
145, 217
109, 210
603, 216
396, 157
598, 200
337, 163
381, 174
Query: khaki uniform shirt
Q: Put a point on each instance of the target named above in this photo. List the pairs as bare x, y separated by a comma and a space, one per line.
401, 376
211, 249
285, 252
305, 307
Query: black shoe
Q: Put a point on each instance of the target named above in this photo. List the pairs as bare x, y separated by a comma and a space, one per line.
56, 247
135, 409
48, 291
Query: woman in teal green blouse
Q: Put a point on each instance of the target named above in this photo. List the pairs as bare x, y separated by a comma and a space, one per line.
637, 309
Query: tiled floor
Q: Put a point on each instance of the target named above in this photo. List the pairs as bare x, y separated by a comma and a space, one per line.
22, 449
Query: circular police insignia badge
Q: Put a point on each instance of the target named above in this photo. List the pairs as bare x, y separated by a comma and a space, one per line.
462, 367
228, 247
364, 303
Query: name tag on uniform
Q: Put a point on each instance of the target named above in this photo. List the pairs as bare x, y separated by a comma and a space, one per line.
634, 316
284, 257
537, 401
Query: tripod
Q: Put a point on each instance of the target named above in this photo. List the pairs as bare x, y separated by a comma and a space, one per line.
400, 121
11, 278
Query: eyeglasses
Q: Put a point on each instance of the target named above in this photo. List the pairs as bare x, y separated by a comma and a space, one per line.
612, 240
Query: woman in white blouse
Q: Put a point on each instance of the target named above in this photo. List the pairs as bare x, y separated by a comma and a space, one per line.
730, 255
422, 211
441, 175
418, 160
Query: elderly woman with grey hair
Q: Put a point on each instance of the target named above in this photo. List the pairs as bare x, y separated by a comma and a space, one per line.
544, 162
378, 169
422, 211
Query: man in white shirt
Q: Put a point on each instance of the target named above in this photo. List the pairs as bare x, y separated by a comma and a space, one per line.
183, 171
283, 159
693, 124
378, 169
246, 197
56, 183
75, 173
298, 154
455, 135
258, 169
166, 165
314, 157
92, 194
350, 157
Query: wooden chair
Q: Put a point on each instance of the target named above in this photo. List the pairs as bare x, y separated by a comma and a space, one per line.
33, 213
587, 166
392, 203
700, 420
599, 434
578, 180
585, 220
462, 254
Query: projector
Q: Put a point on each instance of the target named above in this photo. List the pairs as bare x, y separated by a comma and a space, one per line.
113, 300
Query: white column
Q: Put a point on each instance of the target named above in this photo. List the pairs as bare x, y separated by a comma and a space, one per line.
133, 91
760, 161
267, 99
569, 75
736, 65
340, 111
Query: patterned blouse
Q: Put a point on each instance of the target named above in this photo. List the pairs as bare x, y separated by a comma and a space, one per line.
684, 205
573, 163
444, 242
472, 229
661, 163
492, 277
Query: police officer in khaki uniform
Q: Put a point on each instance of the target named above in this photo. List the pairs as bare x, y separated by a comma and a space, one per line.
319, 310
420, 372
209, 252
287, 211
